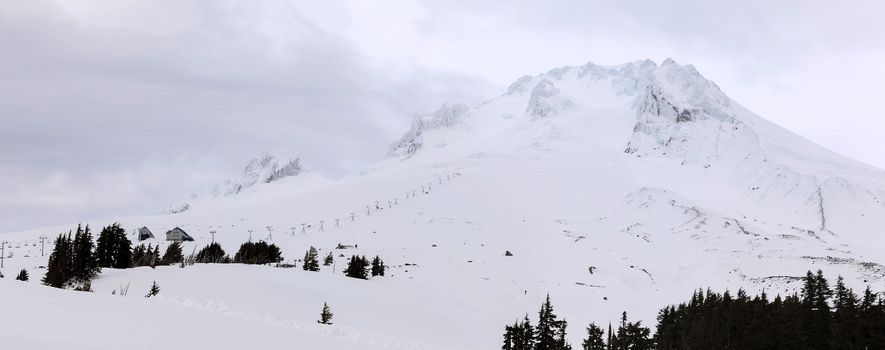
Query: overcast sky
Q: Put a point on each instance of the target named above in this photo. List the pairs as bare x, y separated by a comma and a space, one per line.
114, 108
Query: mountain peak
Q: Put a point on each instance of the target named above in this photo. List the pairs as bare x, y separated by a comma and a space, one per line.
669, 113
412, 141
266, 168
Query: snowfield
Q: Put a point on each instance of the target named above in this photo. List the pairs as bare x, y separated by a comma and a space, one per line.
646, 173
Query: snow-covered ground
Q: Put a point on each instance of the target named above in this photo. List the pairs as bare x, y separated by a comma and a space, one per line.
647, 173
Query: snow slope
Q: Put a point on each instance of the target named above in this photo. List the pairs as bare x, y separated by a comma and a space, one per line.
262, 170
648, 173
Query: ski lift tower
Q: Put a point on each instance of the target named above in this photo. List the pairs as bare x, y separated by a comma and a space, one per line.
2, 253
42, 241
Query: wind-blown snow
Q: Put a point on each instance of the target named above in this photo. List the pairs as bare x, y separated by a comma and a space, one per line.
265, 169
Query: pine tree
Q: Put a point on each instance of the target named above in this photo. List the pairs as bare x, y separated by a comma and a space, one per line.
356, 267
561, 343
526, 340
58, 270
212, 253
155, 256
326, 315
631, 336
594, 340
377, 266
717, 321
258, 253
816, 321
509, 332
173, 254
310, 260
22, 276
84, 265
139, 255
845, 314
519, 336
609, 343
105, 247
328, 260
122, 248
155, 289
871, 328
545, 330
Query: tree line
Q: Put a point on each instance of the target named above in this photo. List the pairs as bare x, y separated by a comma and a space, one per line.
75, 260
817, 318
550, 334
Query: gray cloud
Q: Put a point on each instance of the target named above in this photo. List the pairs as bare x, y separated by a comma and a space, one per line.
120, 108
123, 110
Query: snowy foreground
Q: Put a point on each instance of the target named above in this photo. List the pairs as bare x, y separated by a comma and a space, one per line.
647, 173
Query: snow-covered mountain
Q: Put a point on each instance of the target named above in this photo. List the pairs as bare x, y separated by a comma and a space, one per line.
614, 187
262, 170
714, 151
412, 141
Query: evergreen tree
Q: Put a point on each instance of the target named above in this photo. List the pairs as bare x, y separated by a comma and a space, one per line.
545, 330
155, 256
561, 343
310, 260
211, 253
139, 255
258, 253
871, 322
58, 270
71, 262
22, 276
356, 267
122, 248
509, 332
519, 336
816, 321
524, 335
328, 260
719, 321
377, 266
326, 315
84, 265
733, 321
155, 289
594, 340
631, 336
106, 246
845, 317
173, 254
610, 336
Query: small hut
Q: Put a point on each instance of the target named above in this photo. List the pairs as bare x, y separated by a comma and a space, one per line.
144, 233
178, 235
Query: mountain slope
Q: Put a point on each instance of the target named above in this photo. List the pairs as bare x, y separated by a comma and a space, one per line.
648, 174
269, 168
677, 116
